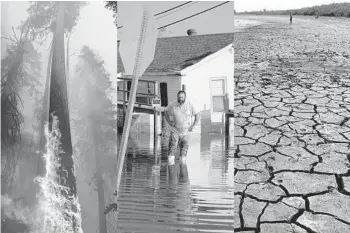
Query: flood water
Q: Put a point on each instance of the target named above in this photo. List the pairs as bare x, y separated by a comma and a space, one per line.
155, 196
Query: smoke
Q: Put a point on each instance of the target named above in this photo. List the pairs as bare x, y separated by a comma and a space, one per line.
15, 217
54, 212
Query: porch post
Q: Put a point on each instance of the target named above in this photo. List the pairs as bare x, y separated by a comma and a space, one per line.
125, 87
227, 121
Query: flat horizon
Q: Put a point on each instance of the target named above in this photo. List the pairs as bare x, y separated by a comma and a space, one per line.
275, 5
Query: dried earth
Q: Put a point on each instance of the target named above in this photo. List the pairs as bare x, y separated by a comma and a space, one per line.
292, 126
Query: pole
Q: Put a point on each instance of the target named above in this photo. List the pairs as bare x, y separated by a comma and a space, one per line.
155, 120
155, 130
132, 97
227, 129
163, 137
227, 122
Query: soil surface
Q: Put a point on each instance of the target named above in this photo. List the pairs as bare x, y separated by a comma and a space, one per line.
292, 126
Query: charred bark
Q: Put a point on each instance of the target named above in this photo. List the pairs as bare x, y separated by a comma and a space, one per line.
59, 108
45, 115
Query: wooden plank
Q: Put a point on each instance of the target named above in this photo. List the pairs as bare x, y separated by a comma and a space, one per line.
139, 108
140, 80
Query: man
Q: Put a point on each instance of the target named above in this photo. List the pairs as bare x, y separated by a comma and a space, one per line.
290, 18
181, 112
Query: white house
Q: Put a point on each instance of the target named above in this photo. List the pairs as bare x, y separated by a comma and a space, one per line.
202, 65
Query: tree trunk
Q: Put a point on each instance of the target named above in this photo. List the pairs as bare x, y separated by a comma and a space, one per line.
45, 115
67, 65
99, 185
59, 108
92, 95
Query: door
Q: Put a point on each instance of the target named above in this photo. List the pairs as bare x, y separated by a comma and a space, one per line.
218, 98
218, 94
164, 94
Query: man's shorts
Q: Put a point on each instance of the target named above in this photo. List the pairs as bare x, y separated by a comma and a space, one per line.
177, 139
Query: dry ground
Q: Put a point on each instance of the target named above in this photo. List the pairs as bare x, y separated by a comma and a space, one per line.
292, 126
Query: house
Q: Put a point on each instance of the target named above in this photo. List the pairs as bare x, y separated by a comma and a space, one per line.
202, 65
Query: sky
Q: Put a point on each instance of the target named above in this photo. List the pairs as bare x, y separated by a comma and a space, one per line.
96, 29
257, 5
218, 20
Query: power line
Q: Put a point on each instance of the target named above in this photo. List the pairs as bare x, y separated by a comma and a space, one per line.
167, 10
189, 16
173, 8
176, 10
193, 15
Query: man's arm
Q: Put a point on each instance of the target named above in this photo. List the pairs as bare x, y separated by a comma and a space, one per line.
196, 120
166, 115
196, 114
167, 118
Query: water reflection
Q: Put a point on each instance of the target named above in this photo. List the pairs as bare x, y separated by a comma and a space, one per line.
155, 196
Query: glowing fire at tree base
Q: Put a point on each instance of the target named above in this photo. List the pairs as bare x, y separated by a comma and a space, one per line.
55, 207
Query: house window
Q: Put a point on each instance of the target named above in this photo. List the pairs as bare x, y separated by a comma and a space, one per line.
218, 94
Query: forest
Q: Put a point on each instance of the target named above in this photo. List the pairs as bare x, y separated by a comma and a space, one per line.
48, 122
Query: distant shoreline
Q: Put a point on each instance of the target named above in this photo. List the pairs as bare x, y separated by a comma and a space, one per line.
244, 24
330, 10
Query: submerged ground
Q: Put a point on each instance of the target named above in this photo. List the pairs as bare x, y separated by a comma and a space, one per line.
292, 126
155, 196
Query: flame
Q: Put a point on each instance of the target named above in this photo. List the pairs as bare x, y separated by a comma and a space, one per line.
55, 208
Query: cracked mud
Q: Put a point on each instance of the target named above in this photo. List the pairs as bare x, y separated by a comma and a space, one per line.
292, 127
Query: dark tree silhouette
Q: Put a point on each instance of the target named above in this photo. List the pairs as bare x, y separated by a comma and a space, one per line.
113, 6
20, 68
94, 121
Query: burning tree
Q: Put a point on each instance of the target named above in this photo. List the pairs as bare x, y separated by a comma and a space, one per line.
58, 18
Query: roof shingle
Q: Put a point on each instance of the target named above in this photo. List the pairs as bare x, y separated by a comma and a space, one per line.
177, 53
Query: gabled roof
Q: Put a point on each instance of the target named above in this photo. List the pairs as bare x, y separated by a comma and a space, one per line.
176, 53
120, 67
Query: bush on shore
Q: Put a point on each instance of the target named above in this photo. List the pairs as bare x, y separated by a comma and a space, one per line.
334, 9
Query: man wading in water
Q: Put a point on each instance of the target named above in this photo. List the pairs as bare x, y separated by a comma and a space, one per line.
290, 18
181, 112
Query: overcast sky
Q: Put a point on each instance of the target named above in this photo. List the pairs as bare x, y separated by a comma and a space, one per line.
257, 5
218, 20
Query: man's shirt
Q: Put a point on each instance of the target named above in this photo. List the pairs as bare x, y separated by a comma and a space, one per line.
182, 115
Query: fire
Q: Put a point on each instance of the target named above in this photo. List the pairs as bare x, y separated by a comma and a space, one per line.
55, 208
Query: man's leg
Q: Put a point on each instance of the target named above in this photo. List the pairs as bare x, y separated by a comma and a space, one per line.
173, 143
184, 146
